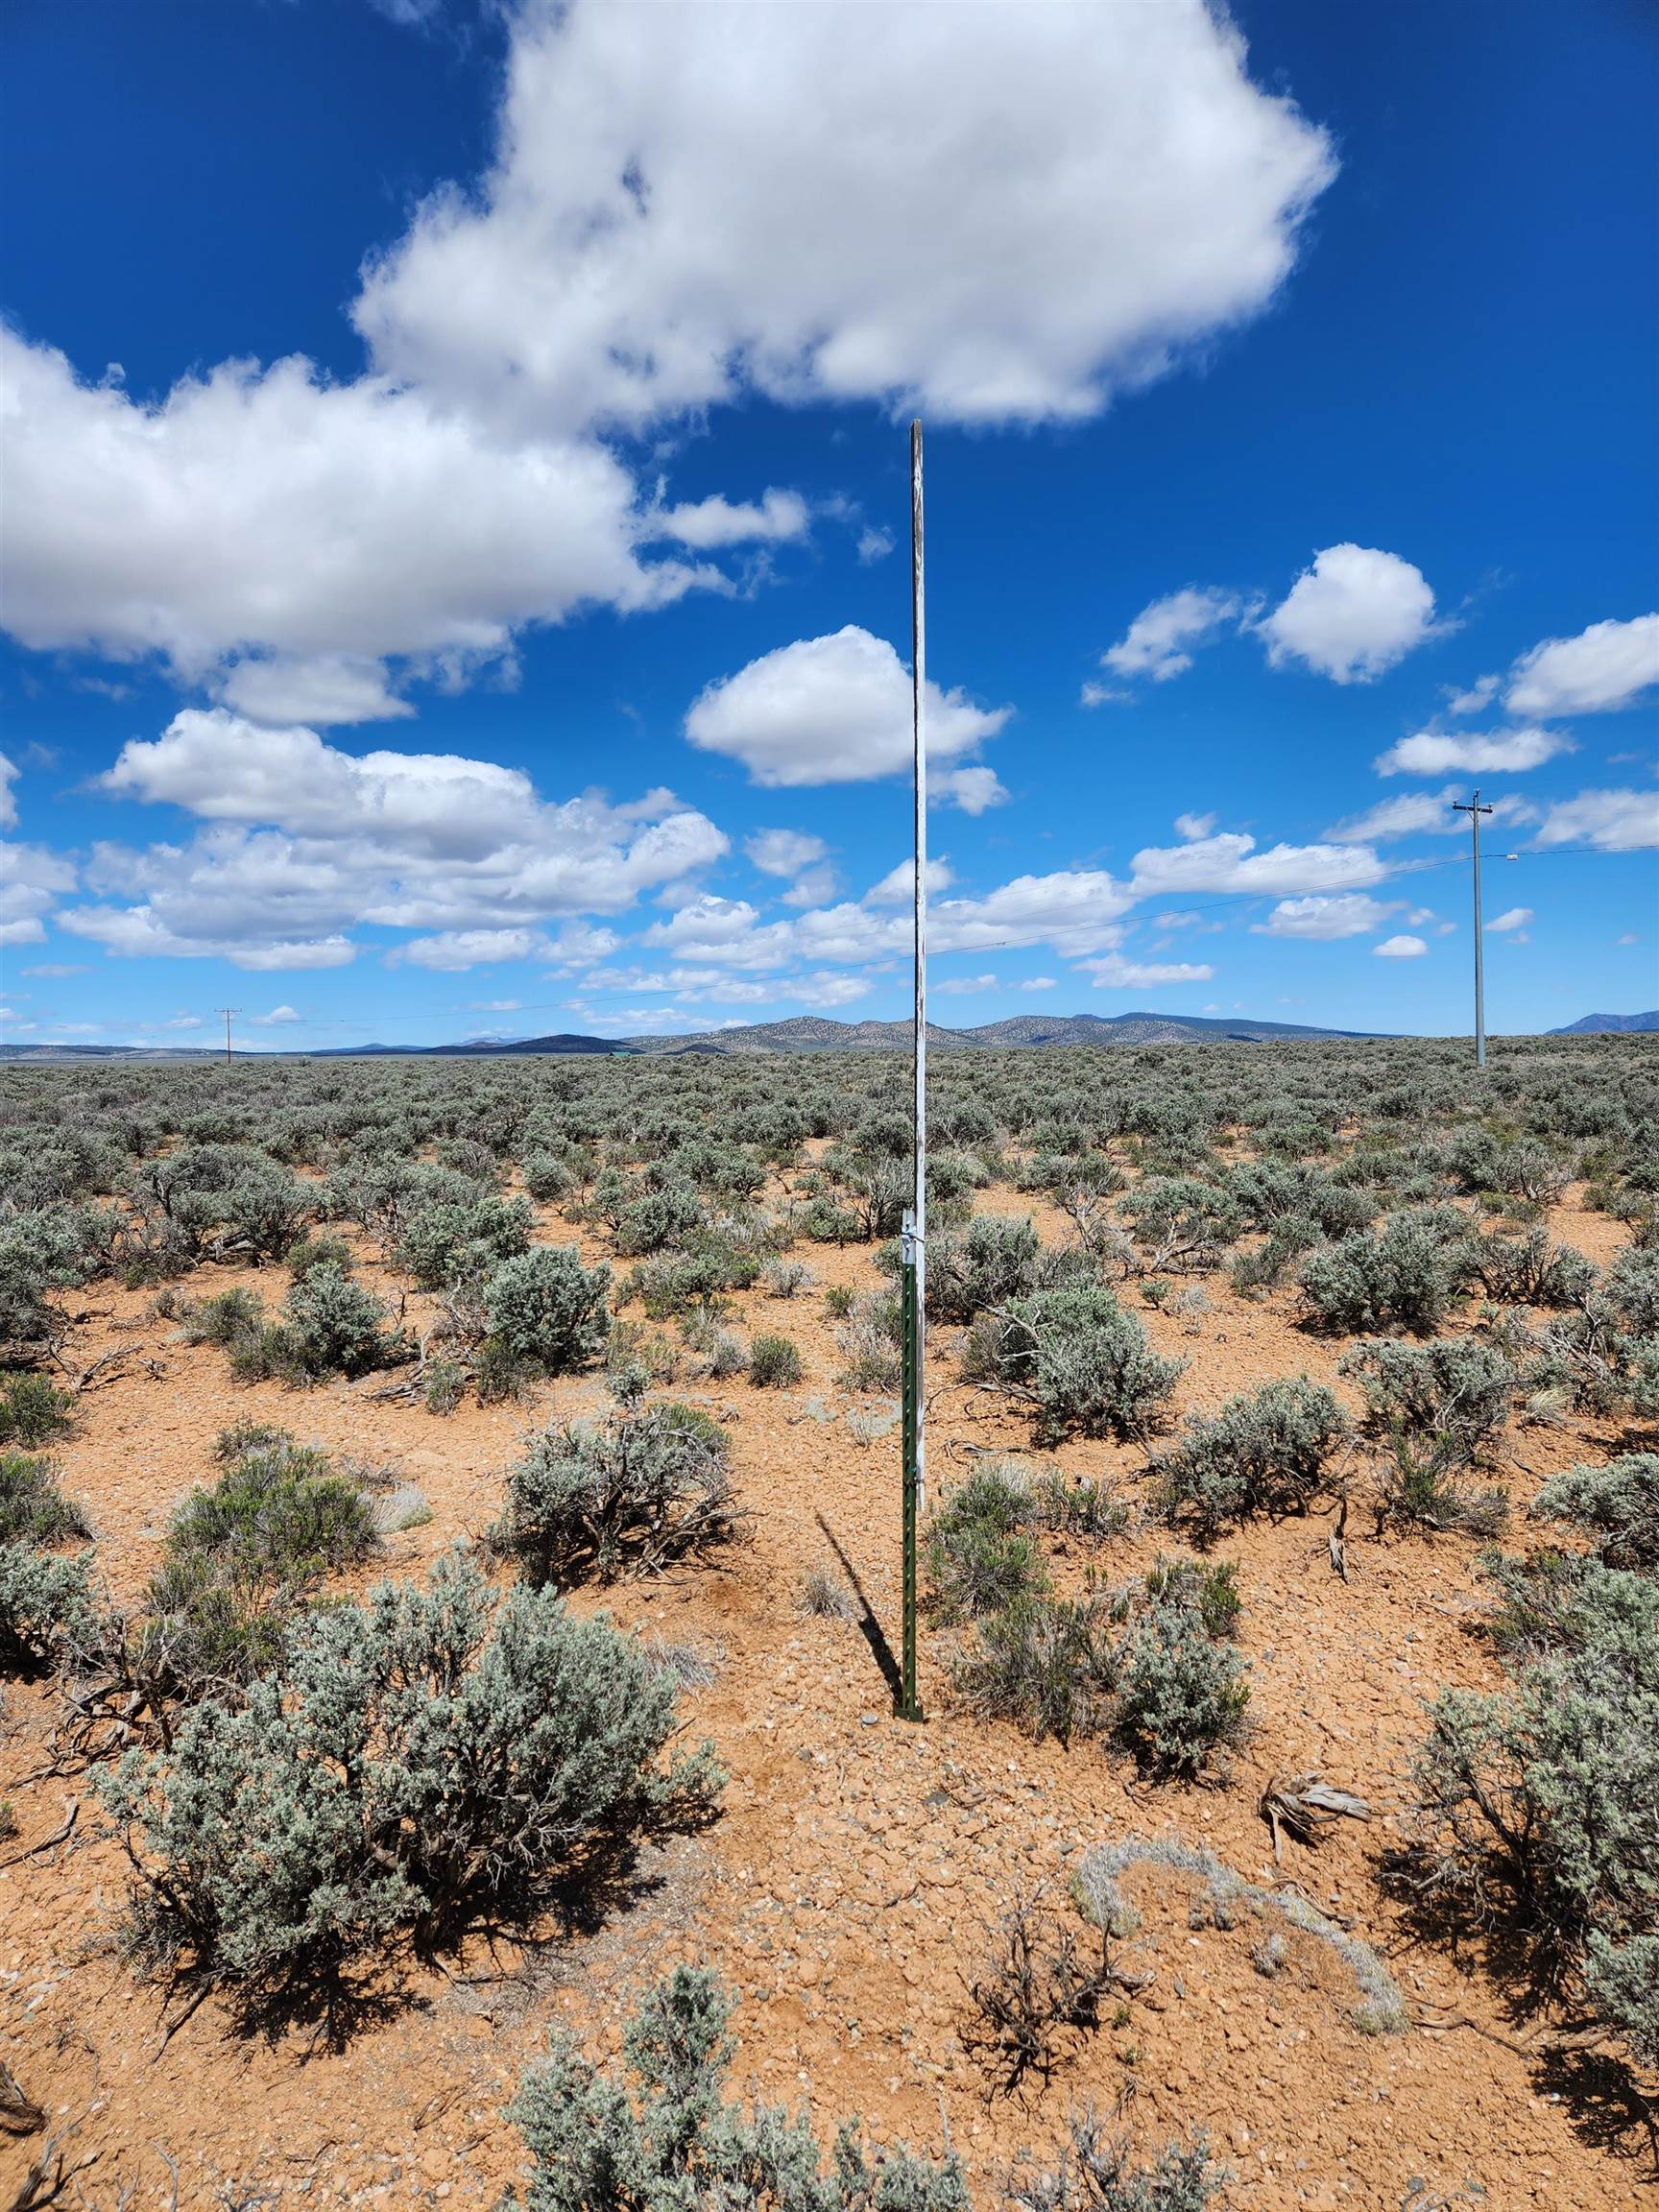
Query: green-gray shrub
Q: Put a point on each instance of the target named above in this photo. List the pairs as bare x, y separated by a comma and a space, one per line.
333, 1325
1617, 1503
33, 1410
32, 1509
980, 1559
628, 1495
1265, 1452
667, 2140
992, 1260
453, 1237
1537, 1801
46, 1604
774, 1364
1405, 1275
417, 1764
1083, 1363
546, 1310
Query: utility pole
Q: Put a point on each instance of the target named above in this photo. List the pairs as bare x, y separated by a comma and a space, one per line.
228, 1011
914, 1246
1474, 810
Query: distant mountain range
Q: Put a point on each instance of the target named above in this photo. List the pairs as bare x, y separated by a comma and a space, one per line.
1611, 1026
804, 1033
816, 1033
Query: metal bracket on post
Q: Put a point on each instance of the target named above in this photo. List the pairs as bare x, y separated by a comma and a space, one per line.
910, 1702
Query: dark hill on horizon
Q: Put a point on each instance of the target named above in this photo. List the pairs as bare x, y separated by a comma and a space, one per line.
1610, 1026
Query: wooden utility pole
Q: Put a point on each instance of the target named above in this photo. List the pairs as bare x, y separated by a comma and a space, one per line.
228, 1011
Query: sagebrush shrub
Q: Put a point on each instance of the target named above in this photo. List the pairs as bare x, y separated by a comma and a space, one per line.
318, 1251
774, 1364
243, 1557
1181, 1686
1536, 1801
659, 1218
1180, 1223
978, 1559
1045, 1663
32, 1509
1262, 1453
1098, 2173
33, 1410
666, 2140
1617, 1503
42, 1250
1084, 1364
449, 1239
548, 1311
596, 1501
1633, 1289
1405, 1275
992, 1260
417, 1762
1532, 1271
335, 1325
1436, 1408
45, 1600
1451, 1396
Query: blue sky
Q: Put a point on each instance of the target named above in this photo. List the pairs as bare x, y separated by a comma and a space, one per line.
454, 577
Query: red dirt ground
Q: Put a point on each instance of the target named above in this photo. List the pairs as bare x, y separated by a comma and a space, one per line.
850, 1883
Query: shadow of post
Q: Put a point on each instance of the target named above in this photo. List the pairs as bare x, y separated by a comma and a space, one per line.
880, 1651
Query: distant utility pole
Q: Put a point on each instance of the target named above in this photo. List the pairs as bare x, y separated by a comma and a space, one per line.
228, 1011
1474, 810
914, 1247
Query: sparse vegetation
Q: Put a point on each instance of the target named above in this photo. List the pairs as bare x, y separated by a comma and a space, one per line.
668, 2139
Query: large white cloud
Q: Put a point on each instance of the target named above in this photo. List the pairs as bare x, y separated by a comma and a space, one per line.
1611, 821
998, 213
831, 710
303, 840
1605, 668
253, 511
1351, 616
1229, 862
1496, 751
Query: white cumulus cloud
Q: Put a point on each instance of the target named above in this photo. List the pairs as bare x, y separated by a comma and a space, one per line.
1350, 914
1605, 668
1514, 918
1611, 821
1497, 753
655, 235
299, 840
831, 710
1351, 616
1400, 948
270, 511
1161, 641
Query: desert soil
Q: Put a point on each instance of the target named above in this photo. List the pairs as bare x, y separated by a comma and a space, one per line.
849, 1887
